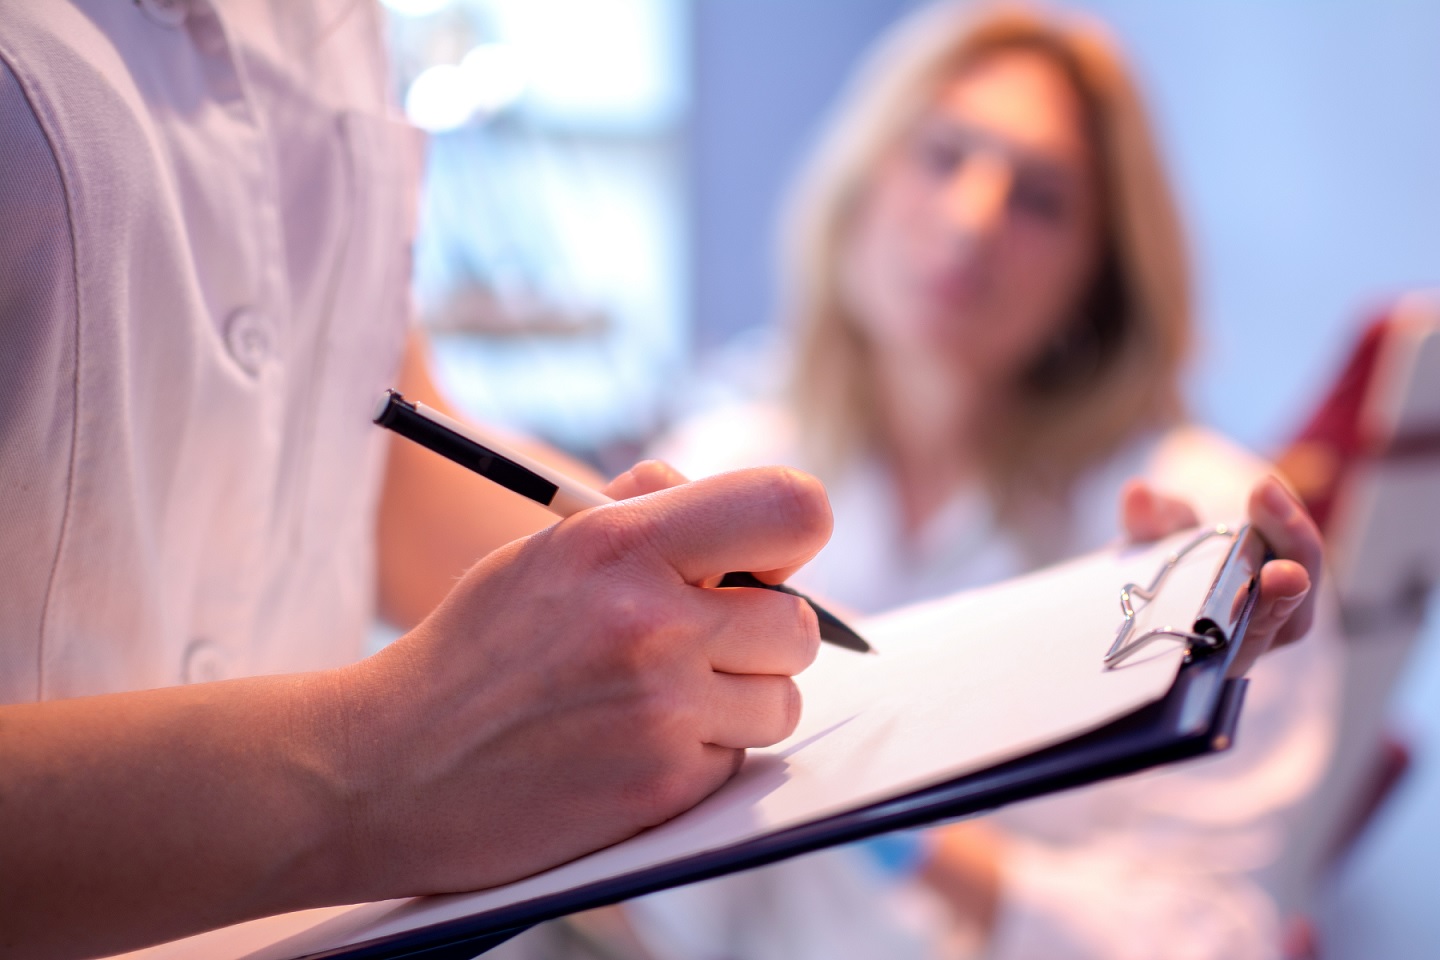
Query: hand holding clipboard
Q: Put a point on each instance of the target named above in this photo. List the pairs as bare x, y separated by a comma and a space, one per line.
1285, 606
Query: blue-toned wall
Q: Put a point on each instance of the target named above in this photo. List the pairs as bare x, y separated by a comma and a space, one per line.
762, 73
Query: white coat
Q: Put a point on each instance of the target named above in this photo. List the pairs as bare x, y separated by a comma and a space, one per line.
203, 288
1181, 862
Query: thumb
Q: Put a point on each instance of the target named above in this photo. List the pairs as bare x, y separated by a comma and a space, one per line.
647, 476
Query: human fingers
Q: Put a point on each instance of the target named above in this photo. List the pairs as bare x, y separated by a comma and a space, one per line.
1284, 592
750, 711
647, 476
1286, 525
717, 765
751, 631
768, 521
1146, 514
1293, 536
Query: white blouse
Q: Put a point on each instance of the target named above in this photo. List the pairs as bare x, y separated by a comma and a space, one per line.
203, 288
1188, 861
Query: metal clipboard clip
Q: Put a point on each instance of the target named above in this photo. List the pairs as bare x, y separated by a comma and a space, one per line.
1222, 615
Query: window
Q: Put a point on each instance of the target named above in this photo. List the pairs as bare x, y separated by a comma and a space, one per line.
551, 257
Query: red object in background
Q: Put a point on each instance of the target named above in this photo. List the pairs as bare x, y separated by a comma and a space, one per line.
1348, 428
1333, 440
1318, 463
1390, 768
1299, 940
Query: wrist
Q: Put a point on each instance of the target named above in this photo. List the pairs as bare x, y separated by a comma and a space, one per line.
364, 733
329, 739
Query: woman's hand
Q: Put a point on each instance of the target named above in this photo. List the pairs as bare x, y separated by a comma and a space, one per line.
577, 686
1286, 606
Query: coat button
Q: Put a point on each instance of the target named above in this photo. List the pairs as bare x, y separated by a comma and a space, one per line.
169, 13
249, 339
204, 663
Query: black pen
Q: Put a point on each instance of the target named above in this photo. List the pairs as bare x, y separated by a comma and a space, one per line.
559, 494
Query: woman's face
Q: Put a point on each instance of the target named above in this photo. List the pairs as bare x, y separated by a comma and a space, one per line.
978, 235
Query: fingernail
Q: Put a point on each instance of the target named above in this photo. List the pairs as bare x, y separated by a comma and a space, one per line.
1275, 499
1293, 599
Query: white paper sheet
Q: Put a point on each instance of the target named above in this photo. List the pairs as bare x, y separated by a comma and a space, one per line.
956, 686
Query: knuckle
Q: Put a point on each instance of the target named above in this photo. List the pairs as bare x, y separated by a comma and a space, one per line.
660, 718
610, 538
633, 620
667, 793
630, 646
665, 786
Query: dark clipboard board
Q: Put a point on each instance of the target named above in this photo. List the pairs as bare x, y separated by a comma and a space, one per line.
1197, 716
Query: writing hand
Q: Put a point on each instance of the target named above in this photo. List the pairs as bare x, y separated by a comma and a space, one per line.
581, 685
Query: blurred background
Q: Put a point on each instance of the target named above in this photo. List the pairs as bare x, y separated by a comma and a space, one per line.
604, 177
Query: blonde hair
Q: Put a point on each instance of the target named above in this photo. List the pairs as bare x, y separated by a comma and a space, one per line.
1115, 373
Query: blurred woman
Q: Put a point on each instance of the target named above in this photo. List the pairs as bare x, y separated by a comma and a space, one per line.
990, 301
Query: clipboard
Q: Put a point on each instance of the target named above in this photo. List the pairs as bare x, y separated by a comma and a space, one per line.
1194, 716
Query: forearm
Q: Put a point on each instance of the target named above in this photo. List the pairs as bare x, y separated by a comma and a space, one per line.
133, 818
436, 518
575, 688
